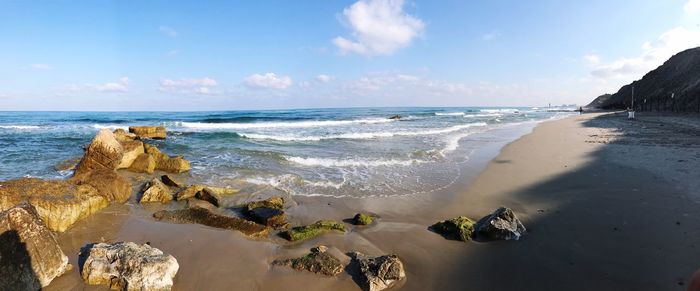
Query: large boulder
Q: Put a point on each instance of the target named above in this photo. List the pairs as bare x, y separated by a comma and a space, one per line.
317, 261
30, 257
378, 273
144, 163
154, 132
103, 153
156, 191
502, 224
167, 163
132, 149
204, 216
109, 184
458, 228
128, 266
300, 233
59, 203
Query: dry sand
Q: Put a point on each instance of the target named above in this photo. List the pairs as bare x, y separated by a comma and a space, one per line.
610, 204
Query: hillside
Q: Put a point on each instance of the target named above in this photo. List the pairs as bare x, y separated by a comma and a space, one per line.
679, 75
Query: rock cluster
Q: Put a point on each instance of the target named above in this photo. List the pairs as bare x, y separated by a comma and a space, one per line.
156, 191
378, 273
502, 224
317, 261
300, 233
30, 257
154, 132
128, 266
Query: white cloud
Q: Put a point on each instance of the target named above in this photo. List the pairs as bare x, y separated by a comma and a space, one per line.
42, 67
379, 27
653, 55
121, 86
386, 83
693, 6
188, 85
324, 78
269, 80
494, 34
169, 31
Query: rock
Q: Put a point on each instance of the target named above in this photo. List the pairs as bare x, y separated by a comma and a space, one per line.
209, 195
274, 203
107, 182
132, 150
378, 273
395, 117
309, 231
144, 163
362, 219
154, 132
121, 135
166, 163
317, 261
128, 266
272, 217
502, 224
59, 203
458, 228
156, 191
171, 181
192, 191
67, 165
103, 153
30, 257
203, 216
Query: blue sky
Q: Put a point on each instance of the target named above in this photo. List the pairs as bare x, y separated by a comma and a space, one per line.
227, 55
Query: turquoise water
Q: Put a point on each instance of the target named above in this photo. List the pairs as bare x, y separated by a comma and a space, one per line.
337, 152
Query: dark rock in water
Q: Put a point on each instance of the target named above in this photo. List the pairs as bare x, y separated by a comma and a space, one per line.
127, 266
395, 117
59, 203
210, 196
502, 224
362, 219
272, 217
30, 257
458, 228
274, 203
378, 273
156, 191
317, 261
205, 217
154, 132
309, 231
171, 181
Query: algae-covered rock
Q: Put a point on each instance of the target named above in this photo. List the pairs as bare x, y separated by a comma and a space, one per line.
128, 266
274, 203
59, 203
309, 231
362, 219
30, 257
272, 217
154, 132
203, 216
458, 228
156, 191
317, 261
378, 273
502, 224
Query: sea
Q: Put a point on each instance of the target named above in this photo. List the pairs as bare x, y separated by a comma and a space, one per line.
352, 152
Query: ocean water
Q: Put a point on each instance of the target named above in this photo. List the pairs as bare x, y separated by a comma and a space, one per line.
357, 152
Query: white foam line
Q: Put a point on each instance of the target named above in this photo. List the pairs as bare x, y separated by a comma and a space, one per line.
297, 124
316, 162
20, 126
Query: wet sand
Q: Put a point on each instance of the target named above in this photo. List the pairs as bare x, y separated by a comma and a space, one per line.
596, 221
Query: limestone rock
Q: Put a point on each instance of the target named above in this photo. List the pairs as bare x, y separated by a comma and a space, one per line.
167, 163
132, 149
210, 196
502, 224
107, 182
154, 132
318, 261
378, 273
67, 165
156, 191
128, 266
171, 181
458, 228
121, 135
203, 216
103, 153
144, 163
192, 191
309, 231
30, 257
362, 219
59, 203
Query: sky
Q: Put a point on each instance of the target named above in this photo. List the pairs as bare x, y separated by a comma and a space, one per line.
239, 55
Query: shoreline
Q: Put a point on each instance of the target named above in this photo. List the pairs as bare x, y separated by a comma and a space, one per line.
580, 228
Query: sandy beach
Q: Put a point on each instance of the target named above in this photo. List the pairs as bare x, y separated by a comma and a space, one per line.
609, 204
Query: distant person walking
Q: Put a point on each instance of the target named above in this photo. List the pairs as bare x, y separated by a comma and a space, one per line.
630, 113
580, 110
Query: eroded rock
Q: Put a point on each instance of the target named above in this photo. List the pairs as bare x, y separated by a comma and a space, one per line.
458, 228
378, 273
171, 181
318, 261
107, 182
209, 195
300, 233
144, 163
128, 266
204, 216
156, 191
502, 224
167, 163
30, 257
103, 153
132, 149
154, 132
